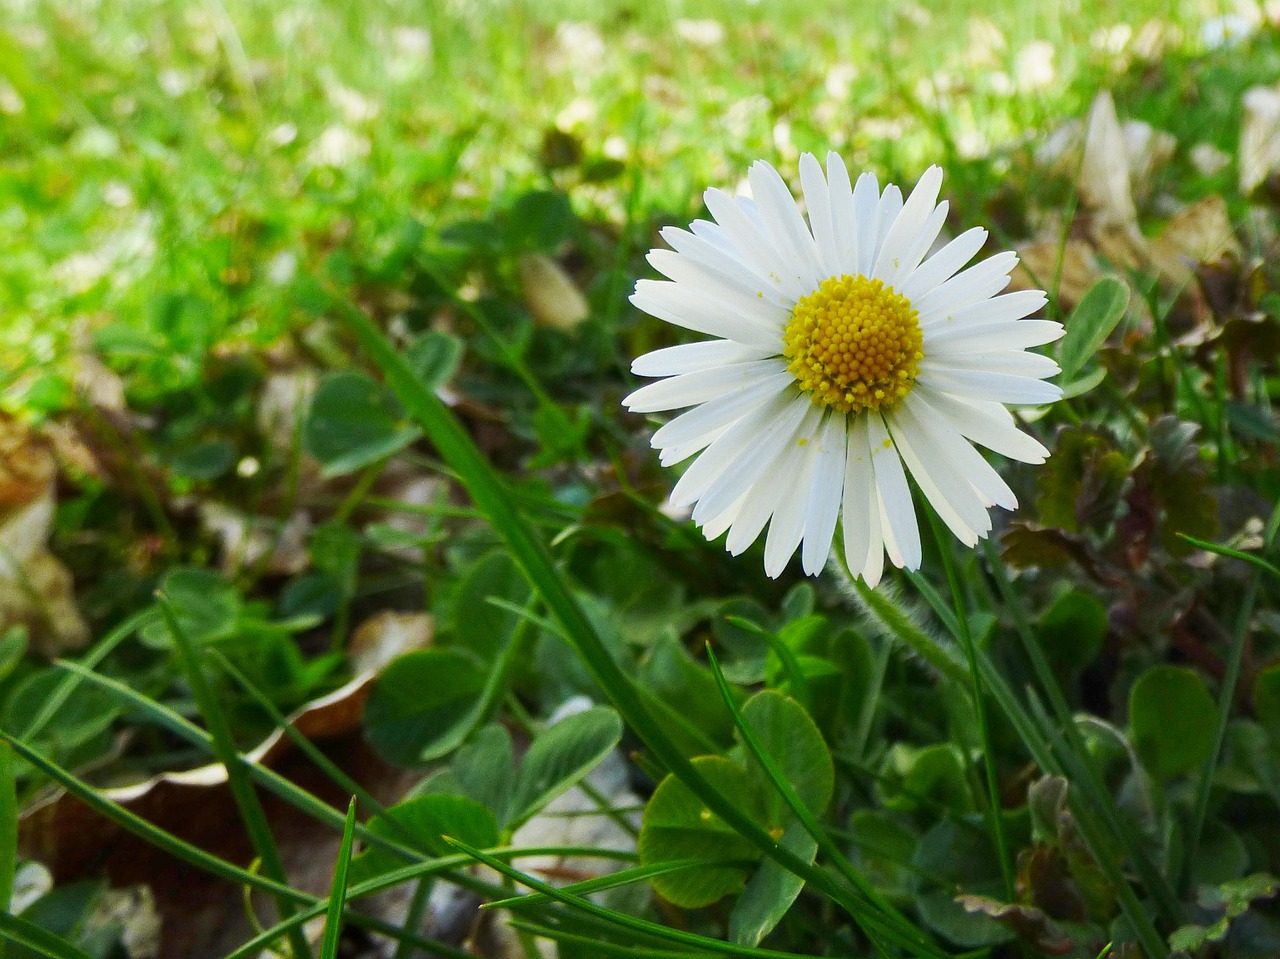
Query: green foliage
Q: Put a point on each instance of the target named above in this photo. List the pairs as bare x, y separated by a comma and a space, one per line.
1171, 715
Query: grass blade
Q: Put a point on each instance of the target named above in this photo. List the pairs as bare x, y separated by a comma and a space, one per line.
338, 890
242, 791
17, 930
8, 826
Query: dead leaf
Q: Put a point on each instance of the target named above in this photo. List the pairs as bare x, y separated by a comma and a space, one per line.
1038, 265
384, 636
1104, 172
133, 911
1259, 137
36, 590
549, 294
1200, 233
1030, 924
280, 548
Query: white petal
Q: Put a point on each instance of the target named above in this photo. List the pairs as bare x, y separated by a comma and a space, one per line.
844, 219
916, 252
979, 338
998, 309
817, 199
1015, 362
863, 542
750, 297
678, 453
824, 494
722, 259
980, 282
943, 265
757, 506
786, 528
752, 245
687, 357
714, 529
958, 452
899, 516
712, 416
688, 308
761, 443
690, 389
955, 501
785, 225
902, 233
1000, 387
866, 209
889, 208
989, 424
741, 436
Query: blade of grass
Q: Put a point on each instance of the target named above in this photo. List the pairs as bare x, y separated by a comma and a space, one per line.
338, 889
18, 930
612, 881
491, 498
240, 785
8, 826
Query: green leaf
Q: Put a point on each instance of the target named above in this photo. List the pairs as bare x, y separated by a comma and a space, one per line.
420, 699
1072, 631
922, 779
353, 422
770, 891
27, 935
205, 604
485, 769
1171, 715
422, 822
204, 460
1092, 321
562, 755
13, 646
793, 742
1083, 384
435, 356
678, 825
1266, 700
478, 624
539, 220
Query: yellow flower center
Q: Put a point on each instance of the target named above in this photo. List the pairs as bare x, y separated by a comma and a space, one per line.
854, 344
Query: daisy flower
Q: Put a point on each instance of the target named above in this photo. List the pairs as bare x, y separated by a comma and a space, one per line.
845, 358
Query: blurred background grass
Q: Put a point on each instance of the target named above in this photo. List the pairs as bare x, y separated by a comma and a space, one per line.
175, 172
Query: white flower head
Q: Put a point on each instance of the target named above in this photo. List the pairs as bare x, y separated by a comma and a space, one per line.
844, 360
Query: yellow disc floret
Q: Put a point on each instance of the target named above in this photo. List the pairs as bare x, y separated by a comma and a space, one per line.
854, 344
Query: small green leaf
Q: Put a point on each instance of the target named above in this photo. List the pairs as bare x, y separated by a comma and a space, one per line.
206, 605
353, 422
791, 739
485, 769
1083, 384
770, 891
1266, 700
1172, 717
418, 700
1092, 321
204, 460
562, 755
435, 356
422, 822
539, 220
678, 825
13, 646
1073, 629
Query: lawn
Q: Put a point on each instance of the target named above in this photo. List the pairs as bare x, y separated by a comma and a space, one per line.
324, 480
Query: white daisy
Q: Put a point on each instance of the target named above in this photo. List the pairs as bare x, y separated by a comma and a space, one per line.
842, 354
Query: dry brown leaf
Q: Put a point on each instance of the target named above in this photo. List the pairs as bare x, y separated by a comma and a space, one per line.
1104, 172
549, 293
36, 590
1259, 136
1038, 265
248, 540
1198, 234
384, 636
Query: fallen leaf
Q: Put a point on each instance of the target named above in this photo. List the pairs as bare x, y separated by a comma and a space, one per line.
1038, 265
1197, 234
1105, 170
549, 294
1259, 137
